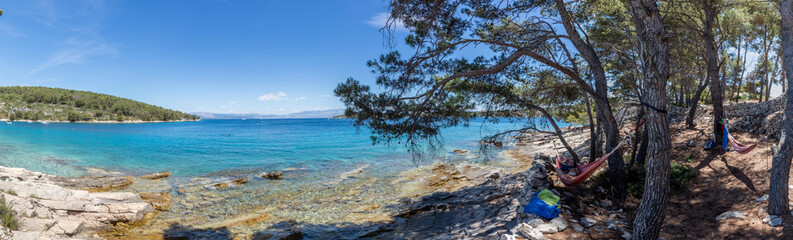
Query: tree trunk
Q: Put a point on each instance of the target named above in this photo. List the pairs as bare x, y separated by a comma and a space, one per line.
773, 77
695, 103
736, 71
641, 156
680, 96
743, 68
558, 131
650, 25
711, 53
780, 166
764, 83
637, 136
593, 141
602, 107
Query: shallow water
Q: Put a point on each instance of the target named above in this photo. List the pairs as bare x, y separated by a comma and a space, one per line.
319, 152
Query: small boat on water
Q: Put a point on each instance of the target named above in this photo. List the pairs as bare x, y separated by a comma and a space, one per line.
29, 121
45, 122
8, 122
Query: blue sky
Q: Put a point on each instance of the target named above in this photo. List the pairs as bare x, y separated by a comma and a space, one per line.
217, 56
271, 57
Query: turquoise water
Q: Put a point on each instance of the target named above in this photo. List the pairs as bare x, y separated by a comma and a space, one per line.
334, 170
211, 146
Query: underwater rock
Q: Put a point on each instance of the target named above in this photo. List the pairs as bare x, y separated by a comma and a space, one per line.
222, 185
460, 151
158, 175
160, 201
273, 175
241, 181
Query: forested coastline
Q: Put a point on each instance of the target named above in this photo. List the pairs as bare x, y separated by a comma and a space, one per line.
56, 104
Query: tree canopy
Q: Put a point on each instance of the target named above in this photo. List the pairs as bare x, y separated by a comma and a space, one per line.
42, 103
567, 60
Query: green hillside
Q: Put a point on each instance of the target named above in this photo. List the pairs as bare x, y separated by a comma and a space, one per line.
55, 104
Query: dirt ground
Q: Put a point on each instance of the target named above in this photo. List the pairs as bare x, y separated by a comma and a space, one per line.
725, 181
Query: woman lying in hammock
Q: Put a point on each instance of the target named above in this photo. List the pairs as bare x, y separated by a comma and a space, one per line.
568, 168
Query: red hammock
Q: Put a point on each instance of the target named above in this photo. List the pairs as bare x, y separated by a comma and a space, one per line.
737, 146
586, 170
740, 148
728, 139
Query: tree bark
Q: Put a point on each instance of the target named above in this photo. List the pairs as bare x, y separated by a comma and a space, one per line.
766, 50
637, 136
641, 156
711, 54
773, 77
650, 25
558, 131
593, 141
736, 71
780, 166
602, 107
695, 103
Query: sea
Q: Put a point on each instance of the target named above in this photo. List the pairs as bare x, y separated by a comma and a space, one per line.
315, 155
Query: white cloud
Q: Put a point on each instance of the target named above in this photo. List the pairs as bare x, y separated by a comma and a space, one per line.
77, 51
299, 99
273, 97
82, 21
381, 19
324, 95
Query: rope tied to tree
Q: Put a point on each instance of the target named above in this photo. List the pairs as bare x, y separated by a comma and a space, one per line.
653, 108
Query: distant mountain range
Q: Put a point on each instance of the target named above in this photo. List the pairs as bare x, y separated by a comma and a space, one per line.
307, 114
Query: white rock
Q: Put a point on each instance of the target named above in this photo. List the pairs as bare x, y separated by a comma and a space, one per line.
547, 228
730, 214
529, 232
773, 220
47, 210
535, 222
560, 223
763, 198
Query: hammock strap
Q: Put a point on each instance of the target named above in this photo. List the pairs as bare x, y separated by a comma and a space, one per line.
653, 108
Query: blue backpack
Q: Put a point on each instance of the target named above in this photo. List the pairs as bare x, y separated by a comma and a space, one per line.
710, 145
544, 203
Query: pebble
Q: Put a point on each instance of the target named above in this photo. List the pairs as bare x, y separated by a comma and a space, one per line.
763, 198
611, 224
578, 228
625, 234
588, 222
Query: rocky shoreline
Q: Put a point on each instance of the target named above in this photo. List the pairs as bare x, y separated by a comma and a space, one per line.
53, 207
